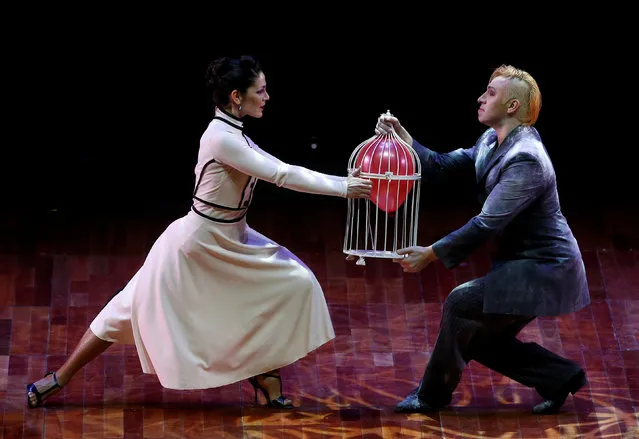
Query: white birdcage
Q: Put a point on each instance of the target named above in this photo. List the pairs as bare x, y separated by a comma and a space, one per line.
376, 228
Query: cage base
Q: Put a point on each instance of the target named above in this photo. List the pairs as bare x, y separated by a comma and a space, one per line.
385, 254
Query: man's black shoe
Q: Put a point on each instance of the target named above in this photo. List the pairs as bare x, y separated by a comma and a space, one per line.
413, 404
552, 406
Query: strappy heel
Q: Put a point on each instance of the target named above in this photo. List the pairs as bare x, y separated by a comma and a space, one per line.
42, 396
279, 402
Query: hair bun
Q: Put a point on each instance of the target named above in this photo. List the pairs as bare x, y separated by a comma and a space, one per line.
226, 74
216, 69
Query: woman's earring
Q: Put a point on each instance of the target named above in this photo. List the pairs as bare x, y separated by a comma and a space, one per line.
240, 107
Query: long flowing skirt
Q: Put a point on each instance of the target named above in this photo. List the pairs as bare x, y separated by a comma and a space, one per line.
216, 303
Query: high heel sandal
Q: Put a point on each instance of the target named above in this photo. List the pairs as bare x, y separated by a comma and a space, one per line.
280, 402
41, 396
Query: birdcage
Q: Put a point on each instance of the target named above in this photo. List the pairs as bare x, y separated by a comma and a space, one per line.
377, 227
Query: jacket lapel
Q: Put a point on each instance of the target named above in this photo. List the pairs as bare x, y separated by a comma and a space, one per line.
493, 156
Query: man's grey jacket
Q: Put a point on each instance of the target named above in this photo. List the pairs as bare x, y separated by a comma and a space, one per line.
537, 267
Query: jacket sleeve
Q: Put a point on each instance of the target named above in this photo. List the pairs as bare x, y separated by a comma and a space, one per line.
520, 183
436, 165
254, 162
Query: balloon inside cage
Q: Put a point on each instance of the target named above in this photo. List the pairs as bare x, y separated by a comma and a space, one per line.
377, 227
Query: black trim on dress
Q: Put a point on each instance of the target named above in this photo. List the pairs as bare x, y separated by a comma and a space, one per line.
218, 220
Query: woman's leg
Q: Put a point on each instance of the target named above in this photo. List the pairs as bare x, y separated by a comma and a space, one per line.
87, 349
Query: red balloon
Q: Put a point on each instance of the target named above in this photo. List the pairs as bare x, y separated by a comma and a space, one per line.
382, 155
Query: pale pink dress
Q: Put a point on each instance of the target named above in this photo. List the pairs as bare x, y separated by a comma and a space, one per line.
215, 301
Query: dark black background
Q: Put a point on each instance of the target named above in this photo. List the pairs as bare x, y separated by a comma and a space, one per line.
107, 118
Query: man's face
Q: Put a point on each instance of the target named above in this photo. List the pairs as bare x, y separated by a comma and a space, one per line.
493, 103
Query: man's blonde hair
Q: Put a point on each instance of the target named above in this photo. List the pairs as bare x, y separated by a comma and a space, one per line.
524, 88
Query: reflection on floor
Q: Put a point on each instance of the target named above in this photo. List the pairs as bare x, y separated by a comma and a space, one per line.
55, 274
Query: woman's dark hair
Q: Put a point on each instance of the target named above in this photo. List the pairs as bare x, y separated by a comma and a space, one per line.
227, 74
